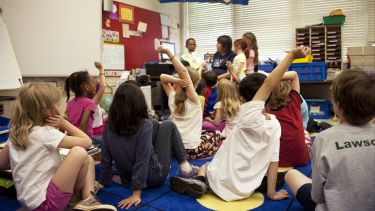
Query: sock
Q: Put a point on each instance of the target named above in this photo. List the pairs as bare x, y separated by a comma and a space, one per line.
185, 167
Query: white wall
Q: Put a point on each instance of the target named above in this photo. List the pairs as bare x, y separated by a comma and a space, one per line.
172, 9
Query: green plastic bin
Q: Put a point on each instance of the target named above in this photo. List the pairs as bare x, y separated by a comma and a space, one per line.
334, 20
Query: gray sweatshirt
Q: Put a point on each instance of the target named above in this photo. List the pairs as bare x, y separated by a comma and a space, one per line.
343, 175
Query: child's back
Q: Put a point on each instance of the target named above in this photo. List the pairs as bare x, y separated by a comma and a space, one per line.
285, 104
41, 159
344, 163
253, 143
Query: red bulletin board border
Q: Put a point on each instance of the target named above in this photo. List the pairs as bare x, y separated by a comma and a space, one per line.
138, 50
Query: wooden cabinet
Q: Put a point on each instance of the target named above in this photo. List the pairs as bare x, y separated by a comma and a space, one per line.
325, 43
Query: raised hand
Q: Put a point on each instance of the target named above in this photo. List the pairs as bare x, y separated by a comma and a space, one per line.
300, 52
162, 49
98, 65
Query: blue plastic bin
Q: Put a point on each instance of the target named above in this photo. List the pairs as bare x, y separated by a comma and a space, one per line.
266, 67
319, 108
315, 71
4, 129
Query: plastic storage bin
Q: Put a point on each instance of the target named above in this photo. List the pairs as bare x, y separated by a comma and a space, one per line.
4, 128
307, 59
266, 67
319, 108
334, 20
315, 71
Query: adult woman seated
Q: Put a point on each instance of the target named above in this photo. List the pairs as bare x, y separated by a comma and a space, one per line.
223, 54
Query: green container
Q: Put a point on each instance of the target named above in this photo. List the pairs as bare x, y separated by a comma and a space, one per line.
334, 20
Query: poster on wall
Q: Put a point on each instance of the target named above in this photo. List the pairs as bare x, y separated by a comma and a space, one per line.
126, 13
110, 36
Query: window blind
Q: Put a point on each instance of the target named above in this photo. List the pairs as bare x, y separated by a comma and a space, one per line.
207, 21
274, 22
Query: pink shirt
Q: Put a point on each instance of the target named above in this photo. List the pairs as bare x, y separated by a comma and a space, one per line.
75, 109
250, 63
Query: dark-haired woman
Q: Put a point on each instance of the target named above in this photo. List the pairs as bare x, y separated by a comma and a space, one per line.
223, 54
141, 149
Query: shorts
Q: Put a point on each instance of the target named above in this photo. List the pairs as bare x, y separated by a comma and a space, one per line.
303, 196
55, 199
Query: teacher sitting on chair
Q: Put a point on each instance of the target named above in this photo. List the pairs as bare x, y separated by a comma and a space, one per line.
223, 54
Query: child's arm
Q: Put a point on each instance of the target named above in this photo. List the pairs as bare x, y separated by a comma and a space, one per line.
102, 84
167, 80
222, 76
183, 74
271, 183
277, 74
76, 138
84, 120
233, 73
293, 76
4, 158
217, 119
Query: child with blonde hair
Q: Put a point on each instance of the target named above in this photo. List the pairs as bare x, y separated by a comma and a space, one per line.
226, 108
41, 181
285, 103
186, 110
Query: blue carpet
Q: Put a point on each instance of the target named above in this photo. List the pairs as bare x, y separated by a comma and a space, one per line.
163, 198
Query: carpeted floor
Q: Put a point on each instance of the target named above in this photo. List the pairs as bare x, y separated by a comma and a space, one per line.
163, 198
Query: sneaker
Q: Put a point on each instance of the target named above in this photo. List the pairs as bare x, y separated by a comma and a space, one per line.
192, 173
77, 198
191, 187
92, 203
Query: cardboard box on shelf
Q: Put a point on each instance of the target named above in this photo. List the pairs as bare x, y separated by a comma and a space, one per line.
362, 60
361, 51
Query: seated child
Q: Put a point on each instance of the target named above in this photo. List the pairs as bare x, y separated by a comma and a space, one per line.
226, 108
80, 110
186, 111
252, 148
285, 104
41, 181
210, 92
343, 156
142, 162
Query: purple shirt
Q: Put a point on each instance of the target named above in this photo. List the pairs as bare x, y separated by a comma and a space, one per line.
75, 109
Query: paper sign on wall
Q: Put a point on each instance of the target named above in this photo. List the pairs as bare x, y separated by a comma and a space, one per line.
126, 13
174, 22
125, 30
164, 32
164, 20
142, 27
110, 36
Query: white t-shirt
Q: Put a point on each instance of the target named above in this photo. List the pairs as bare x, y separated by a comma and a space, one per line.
190, 124
98, 117
241, 162
33, 168
229, 123
194, 62
240, 58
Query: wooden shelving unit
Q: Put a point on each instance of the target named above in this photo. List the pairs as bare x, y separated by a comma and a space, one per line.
325, 43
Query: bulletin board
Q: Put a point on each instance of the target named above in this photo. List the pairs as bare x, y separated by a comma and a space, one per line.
137, 49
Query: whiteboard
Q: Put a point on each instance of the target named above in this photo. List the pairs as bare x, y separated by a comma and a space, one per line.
54, 37
113, 57
10, 76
